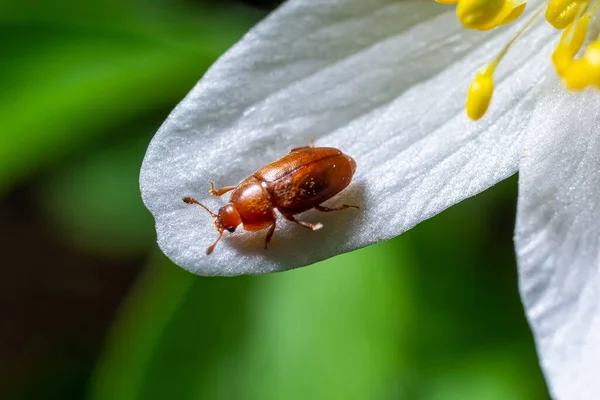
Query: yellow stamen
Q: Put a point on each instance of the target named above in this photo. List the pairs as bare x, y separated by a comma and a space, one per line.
475, 13
562, 58
572, 39
586, 70
480, 93
482, 88
561, 13
574, 16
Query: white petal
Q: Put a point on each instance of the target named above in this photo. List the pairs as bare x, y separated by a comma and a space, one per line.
558, 240
384, 81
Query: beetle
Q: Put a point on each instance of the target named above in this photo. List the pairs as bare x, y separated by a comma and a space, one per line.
301, 180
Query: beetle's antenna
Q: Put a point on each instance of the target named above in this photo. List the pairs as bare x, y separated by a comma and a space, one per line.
189, 200
212, 246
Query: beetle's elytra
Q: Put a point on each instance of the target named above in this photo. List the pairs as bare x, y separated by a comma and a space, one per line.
301, 180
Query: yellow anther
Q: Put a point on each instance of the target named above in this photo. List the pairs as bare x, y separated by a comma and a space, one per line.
575, 36
475, 13
562, 58
516, 10
576, 76
482, 87
480, 93
511, 10
571, 40
585, 71
446, 1
561, 13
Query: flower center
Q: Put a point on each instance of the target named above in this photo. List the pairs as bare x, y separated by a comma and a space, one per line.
571, 16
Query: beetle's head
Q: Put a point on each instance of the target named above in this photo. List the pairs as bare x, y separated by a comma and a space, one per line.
228, 218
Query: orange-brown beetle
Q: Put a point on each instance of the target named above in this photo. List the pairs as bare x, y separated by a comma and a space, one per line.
297, 182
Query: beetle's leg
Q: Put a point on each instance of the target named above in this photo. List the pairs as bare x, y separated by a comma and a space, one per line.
270, 234
211, 248
221, 191
343, 207
307, 225
312, 144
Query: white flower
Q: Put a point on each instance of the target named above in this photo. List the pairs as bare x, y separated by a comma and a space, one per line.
385, 81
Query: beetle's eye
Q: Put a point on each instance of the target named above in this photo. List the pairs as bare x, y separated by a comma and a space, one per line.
231, 229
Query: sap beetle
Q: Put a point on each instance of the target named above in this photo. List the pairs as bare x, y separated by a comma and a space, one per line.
301, 180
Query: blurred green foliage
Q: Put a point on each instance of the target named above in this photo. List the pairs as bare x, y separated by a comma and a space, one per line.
74, 72
432, 315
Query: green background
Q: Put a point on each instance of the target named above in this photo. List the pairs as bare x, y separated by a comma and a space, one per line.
91, 309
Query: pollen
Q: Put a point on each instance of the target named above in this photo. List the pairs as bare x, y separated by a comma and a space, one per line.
578, 69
